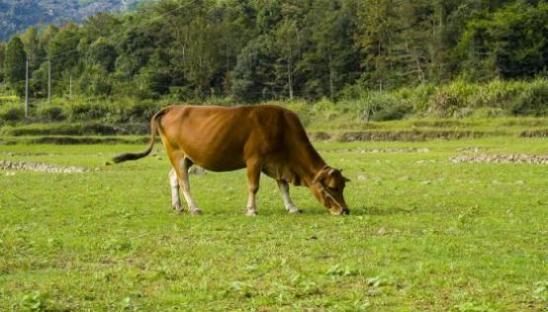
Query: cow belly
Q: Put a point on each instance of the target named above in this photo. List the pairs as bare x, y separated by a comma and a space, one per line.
217, 163
215, 152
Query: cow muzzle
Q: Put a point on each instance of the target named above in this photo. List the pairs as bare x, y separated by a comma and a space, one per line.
340, 212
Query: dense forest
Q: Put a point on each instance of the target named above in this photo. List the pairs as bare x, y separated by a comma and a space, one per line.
253, 51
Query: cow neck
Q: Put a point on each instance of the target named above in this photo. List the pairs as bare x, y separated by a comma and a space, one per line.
310, 164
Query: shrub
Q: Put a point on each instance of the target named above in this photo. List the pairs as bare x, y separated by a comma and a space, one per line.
139, 111
452, 100
533, 102
418, 98
380, 106
11, 113
51, 113
395, 111
497, 97
93, 110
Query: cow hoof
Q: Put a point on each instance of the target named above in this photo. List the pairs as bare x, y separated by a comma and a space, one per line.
178, 209
294, 211
251, 213
196, 212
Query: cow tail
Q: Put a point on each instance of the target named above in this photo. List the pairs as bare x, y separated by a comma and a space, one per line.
154, 125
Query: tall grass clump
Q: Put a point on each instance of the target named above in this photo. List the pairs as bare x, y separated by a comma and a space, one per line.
497, 97
456, 99
372, 105
453, 99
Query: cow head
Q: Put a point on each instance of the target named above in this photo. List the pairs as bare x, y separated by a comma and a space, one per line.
328, 186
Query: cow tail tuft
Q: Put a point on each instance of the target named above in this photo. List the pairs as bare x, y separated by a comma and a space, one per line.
154, 124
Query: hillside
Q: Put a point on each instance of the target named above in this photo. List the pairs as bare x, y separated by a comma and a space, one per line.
17, 15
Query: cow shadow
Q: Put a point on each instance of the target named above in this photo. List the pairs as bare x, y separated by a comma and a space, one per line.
363, 211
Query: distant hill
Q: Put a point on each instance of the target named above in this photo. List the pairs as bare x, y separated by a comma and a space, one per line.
17, 15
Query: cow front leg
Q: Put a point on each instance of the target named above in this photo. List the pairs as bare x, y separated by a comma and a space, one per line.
185, 186
174, 184
253, 177
288, 203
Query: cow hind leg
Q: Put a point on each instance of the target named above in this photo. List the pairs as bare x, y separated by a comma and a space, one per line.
174, 184
253, 177
185, 186
288, 203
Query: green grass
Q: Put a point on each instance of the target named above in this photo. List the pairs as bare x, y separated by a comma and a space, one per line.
424, 234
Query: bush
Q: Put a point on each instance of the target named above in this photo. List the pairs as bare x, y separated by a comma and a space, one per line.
11, 113
140, 111
418, 98
380, 106
453, 100
392, 112
51, 113
96, 110
497, 97
532, 102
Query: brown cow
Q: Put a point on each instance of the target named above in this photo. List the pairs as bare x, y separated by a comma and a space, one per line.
263, 138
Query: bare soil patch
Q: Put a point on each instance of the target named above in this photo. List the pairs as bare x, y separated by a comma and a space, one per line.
8, 165
412, 135
501, 159
386, 150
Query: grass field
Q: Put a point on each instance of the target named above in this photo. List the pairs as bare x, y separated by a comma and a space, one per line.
424, 234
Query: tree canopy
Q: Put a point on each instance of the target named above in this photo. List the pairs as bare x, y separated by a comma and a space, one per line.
277, 49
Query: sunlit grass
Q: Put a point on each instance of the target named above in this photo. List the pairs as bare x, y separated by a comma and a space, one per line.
424, 234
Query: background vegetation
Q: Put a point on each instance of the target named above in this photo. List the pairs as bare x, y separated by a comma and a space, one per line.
390, 58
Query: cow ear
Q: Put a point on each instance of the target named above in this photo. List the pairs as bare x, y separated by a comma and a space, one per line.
346, 179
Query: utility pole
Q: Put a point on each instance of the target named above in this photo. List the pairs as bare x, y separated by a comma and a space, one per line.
27, 88
49, 81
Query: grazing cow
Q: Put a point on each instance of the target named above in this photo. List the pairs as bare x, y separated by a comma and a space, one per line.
264, 138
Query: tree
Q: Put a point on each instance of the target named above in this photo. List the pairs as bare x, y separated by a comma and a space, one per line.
63, 48
33, 48
100, 25
332, 58
15, 64
46, 36
288, 41
102, 53
95, 81
253, 75
510, 43
203, 55
63, 52
2, 59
